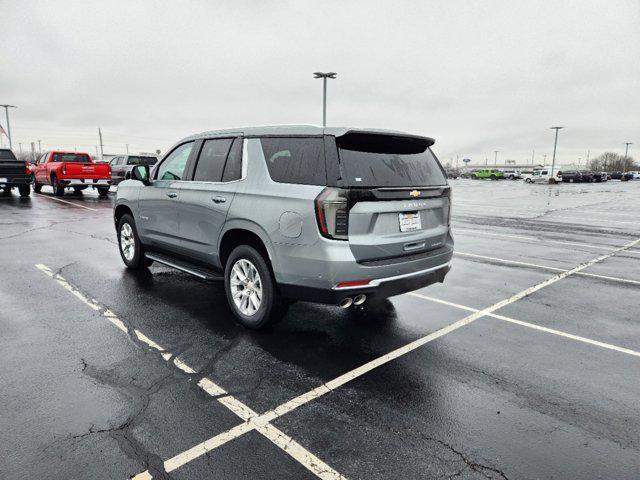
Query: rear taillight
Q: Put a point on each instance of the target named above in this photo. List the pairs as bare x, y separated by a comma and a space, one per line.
28, 167
332, 213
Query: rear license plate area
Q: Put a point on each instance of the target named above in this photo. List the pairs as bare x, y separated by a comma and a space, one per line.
409, 221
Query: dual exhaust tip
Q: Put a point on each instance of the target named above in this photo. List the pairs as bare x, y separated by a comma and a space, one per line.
357, 300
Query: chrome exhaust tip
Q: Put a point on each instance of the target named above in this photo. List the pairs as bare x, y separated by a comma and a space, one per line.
346, 303
359, 299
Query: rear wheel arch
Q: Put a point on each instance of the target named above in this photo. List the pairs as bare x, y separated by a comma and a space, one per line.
233, 237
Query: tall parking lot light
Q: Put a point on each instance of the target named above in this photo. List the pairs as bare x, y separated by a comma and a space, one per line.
495, 158
626, 152
555, 144
324, 77
6, 113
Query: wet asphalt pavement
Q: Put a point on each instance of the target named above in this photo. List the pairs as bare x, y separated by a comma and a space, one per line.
545, 387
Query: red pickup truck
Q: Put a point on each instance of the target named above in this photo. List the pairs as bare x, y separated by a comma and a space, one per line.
70, 169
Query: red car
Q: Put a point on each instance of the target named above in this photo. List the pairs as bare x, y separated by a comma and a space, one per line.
70, 170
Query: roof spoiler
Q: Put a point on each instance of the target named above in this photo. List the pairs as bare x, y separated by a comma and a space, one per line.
426, 141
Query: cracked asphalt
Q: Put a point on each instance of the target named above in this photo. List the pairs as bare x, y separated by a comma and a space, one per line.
546, 388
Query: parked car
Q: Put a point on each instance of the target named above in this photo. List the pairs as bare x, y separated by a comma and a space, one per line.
601, 176
615, 175
587, 176
571, 176
546, 175
490, 173
122, 164
14, 173
632, 175
512, 174
292, 213
70, 170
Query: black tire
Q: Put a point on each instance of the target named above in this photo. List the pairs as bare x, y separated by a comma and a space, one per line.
36, 186
103, 191
272, 307
77, 190
25, 190
6, 191
58, 190
138, 260
552, 181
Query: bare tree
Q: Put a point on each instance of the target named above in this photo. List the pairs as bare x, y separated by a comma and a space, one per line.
612, 162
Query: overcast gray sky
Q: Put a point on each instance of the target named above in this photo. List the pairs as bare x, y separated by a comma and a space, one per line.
477, 76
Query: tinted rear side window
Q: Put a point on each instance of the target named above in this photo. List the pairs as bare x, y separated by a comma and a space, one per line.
233, 168
370, 160
295, 160
7, 155
211, 160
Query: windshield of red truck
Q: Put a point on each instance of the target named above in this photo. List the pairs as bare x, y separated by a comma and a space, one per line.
71, 157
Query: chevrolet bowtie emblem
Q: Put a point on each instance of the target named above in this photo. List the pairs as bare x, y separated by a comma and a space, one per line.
414, 193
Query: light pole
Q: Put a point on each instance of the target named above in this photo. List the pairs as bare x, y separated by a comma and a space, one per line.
324, 77
6, 112
495, 158
626, 152
555, 144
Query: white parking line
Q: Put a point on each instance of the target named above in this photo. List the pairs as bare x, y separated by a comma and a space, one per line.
538, 240
547, 267
66, 201
279, 438
331, 385
553, 331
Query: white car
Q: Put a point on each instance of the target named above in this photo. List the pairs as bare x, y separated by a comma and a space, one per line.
512, 174
544, 175
636, 175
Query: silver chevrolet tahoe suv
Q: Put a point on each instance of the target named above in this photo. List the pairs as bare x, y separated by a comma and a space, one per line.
282, 213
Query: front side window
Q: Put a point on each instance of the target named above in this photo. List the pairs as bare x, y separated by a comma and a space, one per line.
298, 160
212, 159
172, 168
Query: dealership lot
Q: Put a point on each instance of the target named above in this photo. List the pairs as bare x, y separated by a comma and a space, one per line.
523, 364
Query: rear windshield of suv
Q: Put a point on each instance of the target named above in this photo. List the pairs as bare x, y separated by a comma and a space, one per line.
142, 161
370, 160
7, 155
71, 157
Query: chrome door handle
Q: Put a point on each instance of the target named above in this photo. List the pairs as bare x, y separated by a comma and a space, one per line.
172, 194
219, 199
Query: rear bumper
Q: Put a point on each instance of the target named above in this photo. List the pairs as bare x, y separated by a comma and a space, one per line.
379, 288
14, 180
79, 182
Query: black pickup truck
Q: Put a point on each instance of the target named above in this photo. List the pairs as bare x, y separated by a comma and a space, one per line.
14, 173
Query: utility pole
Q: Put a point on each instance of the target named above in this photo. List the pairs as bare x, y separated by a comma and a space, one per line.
626, 152
324, 77
33, 152
39, 147
495, 158
533, 154
101, 145
6, 113
127, 149
555, 144
20, 147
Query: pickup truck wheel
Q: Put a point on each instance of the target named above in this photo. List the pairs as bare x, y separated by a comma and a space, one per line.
251, 289
103, 191
129, 244
36, 186
58, 190
25, 190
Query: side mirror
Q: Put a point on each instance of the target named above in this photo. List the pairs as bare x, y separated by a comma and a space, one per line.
140, 173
